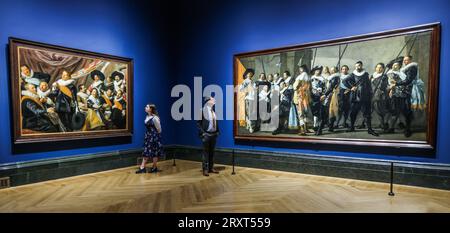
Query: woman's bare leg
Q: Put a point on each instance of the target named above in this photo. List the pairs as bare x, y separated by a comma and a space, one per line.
144, 161
155, 160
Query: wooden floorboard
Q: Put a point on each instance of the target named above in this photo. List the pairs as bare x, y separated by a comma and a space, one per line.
183, 189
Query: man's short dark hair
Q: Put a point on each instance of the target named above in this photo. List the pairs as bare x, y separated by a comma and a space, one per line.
381, 64
359, 62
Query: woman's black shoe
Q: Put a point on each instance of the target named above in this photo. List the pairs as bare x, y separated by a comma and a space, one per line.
143, 170
154, 170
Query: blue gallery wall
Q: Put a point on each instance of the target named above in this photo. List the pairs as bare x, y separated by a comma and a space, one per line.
214, 31
172, 44
121, 28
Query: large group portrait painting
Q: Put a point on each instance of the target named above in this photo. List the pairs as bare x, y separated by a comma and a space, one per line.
378, 88
58, 93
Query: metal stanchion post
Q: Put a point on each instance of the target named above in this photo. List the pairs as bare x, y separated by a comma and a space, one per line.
391, 192
173, 157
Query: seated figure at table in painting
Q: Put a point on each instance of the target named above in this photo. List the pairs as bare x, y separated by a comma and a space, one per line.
44, 93
95, 117
27, 75
35, 115
82, 97
107, 102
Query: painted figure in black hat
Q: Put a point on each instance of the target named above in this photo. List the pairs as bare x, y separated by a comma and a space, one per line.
98, 78
277, 79
119, 81
400, 88
317, 90
360, 97
380, 100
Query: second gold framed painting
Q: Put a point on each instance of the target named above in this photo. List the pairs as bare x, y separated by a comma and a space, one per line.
377, 90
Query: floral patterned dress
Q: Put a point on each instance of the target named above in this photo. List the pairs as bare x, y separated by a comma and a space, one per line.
152, 140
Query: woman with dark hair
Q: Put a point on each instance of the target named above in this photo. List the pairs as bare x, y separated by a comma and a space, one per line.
152, 141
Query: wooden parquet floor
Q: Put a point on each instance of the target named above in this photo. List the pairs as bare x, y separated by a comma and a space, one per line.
184, 189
